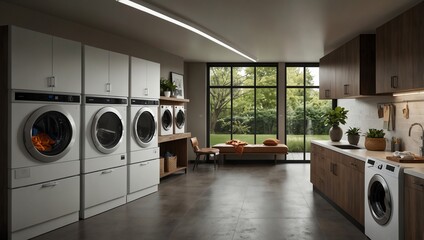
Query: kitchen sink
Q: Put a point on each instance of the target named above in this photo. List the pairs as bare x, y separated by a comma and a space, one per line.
346, 146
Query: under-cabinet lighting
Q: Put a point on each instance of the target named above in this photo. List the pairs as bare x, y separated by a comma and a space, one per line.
408, 93
181, 24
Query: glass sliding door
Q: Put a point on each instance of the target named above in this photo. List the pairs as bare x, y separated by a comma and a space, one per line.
303, 110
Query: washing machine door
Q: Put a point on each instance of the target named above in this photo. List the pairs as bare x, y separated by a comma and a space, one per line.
49, 133
166, 119
145, 127
379, 199
180, 119
107, 129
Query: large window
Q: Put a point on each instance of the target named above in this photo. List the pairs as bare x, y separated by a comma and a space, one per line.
303, 110
242, 102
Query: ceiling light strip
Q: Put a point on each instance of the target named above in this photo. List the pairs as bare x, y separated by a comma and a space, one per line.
184, 25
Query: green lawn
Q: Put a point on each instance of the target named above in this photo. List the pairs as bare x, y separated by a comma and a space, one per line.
294, 142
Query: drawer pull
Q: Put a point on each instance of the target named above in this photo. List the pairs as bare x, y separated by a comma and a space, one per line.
107, 171
419, 184
50, 184
144, 163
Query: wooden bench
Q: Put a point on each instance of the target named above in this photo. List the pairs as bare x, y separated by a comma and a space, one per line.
225, 149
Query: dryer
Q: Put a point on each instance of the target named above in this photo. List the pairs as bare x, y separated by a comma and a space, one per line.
179, 119
44, 162
143, 150
103, 154
166, 120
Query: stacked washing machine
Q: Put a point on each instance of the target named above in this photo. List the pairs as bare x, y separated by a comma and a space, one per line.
103, 130
44, 132
143, 150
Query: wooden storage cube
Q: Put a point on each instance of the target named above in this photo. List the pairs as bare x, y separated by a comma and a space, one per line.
170, 164
162, 166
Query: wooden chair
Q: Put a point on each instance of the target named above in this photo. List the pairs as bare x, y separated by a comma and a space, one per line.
203, 151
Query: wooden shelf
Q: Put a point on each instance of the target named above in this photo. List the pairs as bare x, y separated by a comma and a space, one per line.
173, 137
176, 170
173, 99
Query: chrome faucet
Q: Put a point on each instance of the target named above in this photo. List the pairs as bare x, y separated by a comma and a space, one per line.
422, 137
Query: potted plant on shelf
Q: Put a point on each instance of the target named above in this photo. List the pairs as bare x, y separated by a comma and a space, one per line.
353, 135
167, 87
334, 118
374, 140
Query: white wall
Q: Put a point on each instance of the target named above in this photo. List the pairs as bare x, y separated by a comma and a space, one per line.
363, 114
15, 15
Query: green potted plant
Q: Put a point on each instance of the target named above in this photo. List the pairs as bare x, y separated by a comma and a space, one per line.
167, 87
374, 140
334, 118
353, 135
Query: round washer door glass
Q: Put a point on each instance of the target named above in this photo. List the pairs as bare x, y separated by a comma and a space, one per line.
180, 119
107, 130
49, 133
167, 119
145, 127
379, 200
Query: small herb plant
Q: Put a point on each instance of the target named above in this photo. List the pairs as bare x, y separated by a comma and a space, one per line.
167, 85
353, 131
374, 133
335, 116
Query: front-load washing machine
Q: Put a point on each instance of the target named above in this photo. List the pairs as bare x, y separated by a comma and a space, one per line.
103, 154
166, 120
44, 163
143, 150
383, 200
179, 119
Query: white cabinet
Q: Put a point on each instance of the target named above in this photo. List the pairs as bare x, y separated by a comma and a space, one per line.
143, 175
105, 72
40, 203
43, 62
144, 79
104, 186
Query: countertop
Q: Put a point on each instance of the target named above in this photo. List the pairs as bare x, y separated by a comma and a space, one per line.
416, 172
415, 169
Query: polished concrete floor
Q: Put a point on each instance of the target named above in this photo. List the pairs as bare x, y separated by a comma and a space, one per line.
237, 201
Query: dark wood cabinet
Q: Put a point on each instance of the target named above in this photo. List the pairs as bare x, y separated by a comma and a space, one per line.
350, 68
327, 77
340, 178
414, 207
400, 52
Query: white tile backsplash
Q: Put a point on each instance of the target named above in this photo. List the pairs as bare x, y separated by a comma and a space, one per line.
363, 114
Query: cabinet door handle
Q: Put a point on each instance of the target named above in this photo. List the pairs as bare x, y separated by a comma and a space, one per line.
346, 89
107, 171
331, 167
146, 92
49, 184
394, 82
327, 93
335, 169
419, 184
108, 87
51, 82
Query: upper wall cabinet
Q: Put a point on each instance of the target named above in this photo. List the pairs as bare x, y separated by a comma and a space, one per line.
43, 62
349, 71
327, 76
400, 52
144, 79
105, 72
